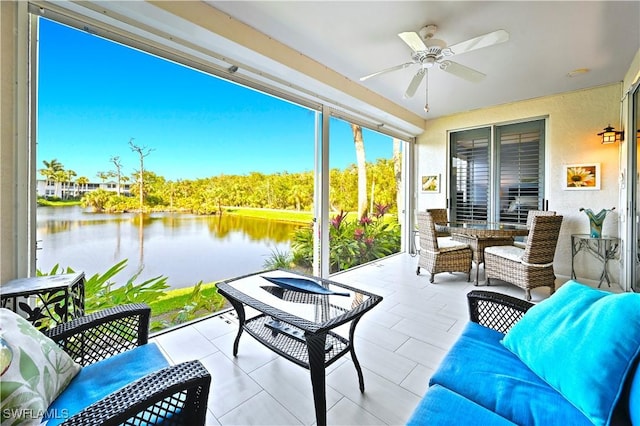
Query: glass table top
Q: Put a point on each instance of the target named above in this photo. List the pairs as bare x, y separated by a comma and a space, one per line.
277, 289
491, 226
484, 229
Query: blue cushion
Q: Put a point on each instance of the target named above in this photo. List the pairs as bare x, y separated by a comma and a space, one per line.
440, 406
583, 342
98, 380
634, 398
479, 368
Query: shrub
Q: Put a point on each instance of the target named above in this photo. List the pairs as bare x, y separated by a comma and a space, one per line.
351, 243
100, 293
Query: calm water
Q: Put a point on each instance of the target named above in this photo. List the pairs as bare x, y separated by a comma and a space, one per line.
183, 247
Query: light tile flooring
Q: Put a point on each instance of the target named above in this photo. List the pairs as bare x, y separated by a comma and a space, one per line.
399, 344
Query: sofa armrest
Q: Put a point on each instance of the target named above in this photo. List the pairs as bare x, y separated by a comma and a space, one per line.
495, 310
104, 333
179, 392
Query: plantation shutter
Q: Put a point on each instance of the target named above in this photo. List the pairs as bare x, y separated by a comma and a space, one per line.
470, 175
520, 170
505, 190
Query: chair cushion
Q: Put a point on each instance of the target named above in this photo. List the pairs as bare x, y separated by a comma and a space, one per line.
441, 406
33, 367
508, 252
479, 368
446, 244
98, 380
583, 342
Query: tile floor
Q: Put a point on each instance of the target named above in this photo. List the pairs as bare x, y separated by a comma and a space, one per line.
399, 344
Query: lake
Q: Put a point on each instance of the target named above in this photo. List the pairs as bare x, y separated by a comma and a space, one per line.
185, 248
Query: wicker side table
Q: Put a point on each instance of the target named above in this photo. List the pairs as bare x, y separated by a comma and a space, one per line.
45, 301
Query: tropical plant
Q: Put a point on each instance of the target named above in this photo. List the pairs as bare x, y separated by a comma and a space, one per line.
98, 200
198, 303
302, 246
278, 260
100, 292
351, 243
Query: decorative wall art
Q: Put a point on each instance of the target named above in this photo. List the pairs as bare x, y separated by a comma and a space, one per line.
430, 183
579, 177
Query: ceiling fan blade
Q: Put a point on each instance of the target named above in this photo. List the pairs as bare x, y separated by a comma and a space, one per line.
415, 82
397, 67
413, 40
479, 42
461, 71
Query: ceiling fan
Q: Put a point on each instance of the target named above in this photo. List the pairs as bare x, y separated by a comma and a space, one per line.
429, 52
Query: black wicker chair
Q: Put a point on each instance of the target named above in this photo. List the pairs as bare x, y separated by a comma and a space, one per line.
175, 395
496, 310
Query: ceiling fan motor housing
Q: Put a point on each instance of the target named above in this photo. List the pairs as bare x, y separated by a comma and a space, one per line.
428, 31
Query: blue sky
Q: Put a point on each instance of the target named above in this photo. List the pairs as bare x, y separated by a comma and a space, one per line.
95, 95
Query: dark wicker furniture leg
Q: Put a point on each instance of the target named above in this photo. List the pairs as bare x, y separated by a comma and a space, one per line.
315, 346
354, 358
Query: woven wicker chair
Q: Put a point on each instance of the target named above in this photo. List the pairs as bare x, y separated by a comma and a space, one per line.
175, 395
530, 215
440, 216
440, 254
532, 266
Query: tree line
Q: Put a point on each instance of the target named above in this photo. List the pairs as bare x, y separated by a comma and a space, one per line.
355, 188
286, 191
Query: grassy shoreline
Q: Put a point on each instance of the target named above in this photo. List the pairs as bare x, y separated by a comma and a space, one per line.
292, 216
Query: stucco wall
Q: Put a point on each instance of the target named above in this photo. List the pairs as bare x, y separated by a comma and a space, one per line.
573, 121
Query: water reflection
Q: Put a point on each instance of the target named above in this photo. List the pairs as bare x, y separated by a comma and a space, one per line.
186, 248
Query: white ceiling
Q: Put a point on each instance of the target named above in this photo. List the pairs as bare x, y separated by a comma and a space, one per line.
547, 40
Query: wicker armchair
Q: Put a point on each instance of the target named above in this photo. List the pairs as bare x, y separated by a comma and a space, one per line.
440, 254
532, 266
530, 215
496, 310
175, 395
440, 216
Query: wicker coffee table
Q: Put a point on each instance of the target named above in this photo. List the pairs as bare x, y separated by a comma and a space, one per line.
297, 324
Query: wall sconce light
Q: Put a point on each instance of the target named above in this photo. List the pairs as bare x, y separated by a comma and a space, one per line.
610, 135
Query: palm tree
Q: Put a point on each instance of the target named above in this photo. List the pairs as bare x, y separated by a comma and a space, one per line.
82, 182
362, 169
49, 172
397, 172
58, 178
70, 174
103, 176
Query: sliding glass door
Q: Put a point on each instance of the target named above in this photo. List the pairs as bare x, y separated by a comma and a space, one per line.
497, 172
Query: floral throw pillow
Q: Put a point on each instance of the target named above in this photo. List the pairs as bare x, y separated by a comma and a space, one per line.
33, 371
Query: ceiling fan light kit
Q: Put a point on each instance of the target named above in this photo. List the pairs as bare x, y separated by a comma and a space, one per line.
427, 52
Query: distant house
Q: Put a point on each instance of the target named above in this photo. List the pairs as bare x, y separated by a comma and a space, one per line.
67, 190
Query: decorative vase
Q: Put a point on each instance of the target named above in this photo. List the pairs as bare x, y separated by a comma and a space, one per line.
596, 220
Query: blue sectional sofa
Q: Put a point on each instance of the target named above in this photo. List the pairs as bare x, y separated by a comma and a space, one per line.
569, 360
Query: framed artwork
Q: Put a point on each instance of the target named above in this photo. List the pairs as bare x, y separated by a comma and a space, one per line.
430, 183
580, 177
